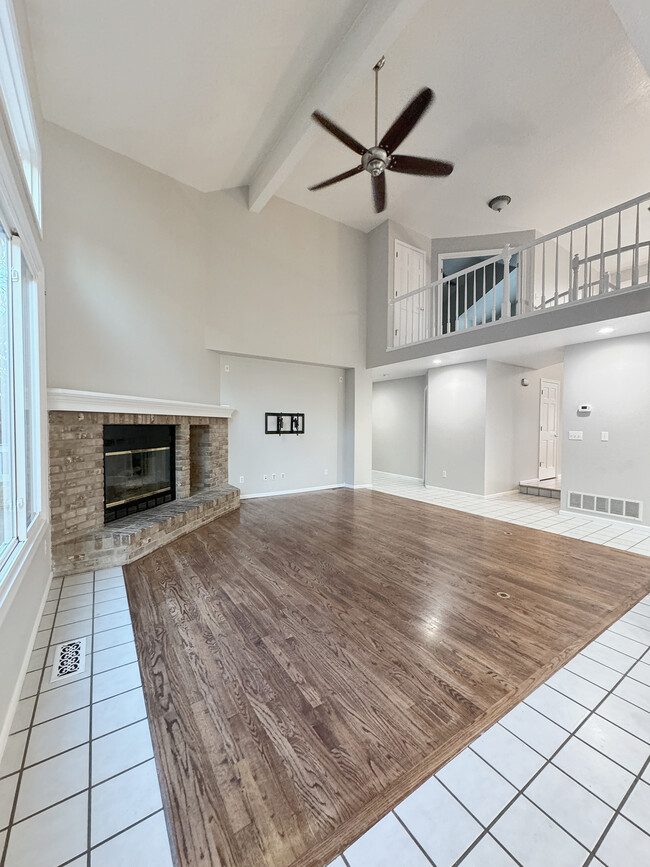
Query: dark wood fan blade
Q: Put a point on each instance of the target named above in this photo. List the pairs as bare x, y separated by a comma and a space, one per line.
379, 191
337, 178
407, 120
419, 166
339, 133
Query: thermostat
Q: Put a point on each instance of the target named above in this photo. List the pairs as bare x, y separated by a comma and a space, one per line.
584, 407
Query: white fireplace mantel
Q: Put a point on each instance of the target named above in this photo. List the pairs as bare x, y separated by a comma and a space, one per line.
69, 400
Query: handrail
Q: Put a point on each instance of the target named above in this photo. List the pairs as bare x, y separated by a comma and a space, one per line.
555, 270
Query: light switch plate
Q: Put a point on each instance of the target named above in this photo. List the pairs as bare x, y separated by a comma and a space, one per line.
575, 434
604, 436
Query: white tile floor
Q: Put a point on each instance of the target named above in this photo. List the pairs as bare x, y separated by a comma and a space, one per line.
563, 775
78, 781
561, 780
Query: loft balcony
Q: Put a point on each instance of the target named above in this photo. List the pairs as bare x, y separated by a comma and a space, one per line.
577, 274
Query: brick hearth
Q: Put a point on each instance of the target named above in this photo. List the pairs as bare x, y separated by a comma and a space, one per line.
80, 540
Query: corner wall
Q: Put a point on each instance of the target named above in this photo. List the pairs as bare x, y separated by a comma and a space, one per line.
612, 376
398, 426
456, 403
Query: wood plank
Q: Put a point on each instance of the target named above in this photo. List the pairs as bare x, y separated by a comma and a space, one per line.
308, 661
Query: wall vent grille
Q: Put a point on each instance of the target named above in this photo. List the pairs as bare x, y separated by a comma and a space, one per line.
606, 505
69, 659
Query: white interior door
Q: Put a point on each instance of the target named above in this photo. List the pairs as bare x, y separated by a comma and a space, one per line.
411, 314
549, 414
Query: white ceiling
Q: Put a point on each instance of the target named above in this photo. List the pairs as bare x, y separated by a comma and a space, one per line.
546, 101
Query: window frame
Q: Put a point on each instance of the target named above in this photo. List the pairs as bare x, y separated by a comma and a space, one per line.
16, 102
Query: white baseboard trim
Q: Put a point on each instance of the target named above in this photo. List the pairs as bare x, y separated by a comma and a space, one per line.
501, 493
400, 476
15, 698
292, 491
612, 519
355, 487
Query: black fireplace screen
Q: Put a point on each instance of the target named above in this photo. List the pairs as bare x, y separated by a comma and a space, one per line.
139, 471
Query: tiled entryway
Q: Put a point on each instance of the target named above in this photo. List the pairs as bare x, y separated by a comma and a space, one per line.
540, 513
561, 780
78, 781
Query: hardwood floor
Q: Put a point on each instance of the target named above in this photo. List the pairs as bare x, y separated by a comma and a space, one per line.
308, 662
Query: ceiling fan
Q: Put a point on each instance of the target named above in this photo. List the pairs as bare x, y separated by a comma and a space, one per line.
376, 160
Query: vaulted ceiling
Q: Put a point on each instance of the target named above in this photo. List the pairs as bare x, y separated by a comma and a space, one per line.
547, 102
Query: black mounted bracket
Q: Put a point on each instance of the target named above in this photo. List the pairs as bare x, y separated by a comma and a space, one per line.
284, 423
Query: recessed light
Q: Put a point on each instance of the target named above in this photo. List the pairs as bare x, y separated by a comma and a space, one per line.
607, 329
437, 361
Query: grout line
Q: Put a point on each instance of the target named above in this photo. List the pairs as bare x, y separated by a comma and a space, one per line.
617, 813
90, 726
417, 842
27, 739
81, 791
548, 761
123, 830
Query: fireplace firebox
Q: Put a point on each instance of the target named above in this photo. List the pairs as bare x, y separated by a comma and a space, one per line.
139, 468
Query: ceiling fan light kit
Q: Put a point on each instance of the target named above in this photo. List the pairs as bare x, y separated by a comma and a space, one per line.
381, 157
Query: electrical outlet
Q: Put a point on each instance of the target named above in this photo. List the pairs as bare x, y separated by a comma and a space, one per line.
266, 478
226, 368
241, 480
444, 474
325, 472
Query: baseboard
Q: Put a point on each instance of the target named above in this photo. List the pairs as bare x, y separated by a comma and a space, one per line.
589, 516
355, 487
292, 491
501, 493
15, 698
400, 476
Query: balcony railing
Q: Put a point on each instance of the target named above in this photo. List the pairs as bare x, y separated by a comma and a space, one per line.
609, 252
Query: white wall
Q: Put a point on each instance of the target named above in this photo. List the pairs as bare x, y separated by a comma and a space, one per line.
125, 251
255, 386
398, 426
500, 427
286, 283
456, 427
612, 376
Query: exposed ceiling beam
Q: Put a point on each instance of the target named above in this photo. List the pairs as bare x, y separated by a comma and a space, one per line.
634, 15
377, 26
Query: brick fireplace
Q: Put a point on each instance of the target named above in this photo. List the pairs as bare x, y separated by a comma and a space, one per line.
81, 540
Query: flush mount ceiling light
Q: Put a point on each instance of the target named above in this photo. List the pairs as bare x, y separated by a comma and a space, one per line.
607, 329
498, 203
437, 361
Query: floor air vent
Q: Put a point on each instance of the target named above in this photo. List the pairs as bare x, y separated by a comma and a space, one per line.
69, 659
605, 505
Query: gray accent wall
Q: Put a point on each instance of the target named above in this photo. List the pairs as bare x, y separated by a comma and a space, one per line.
456, 402
613, 376
255, 386
398, 426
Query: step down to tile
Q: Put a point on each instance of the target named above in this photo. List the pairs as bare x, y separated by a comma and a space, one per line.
545, 488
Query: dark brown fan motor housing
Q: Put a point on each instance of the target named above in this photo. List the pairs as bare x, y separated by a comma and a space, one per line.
376, 160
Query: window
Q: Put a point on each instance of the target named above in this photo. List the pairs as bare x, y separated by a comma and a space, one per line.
19, 398
15, 95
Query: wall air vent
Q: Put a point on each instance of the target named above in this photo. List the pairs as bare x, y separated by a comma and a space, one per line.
69, 659
606, 505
